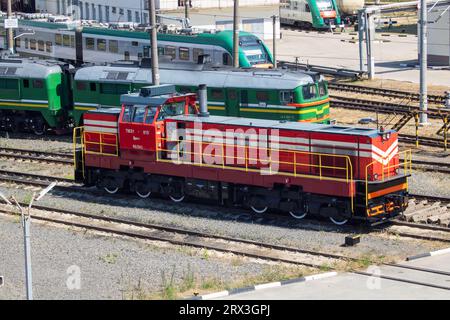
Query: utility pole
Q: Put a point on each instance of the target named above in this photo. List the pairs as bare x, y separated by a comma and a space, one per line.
154, 42
186, 9
236, 34
361, 22
274, 50
10, 30
423, 62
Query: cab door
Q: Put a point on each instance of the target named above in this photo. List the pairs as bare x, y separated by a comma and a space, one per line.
233, 103
137, 131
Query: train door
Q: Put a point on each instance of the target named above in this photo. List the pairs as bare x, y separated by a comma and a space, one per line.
233, 103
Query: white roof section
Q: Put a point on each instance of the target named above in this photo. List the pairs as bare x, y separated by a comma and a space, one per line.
28, 68
221, 78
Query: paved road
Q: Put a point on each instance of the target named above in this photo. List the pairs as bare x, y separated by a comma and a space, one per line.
351, 286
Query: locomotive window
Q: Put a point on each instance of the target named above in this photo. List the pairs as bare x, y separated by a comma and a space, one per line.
38, 84
262, 96
90, 43
150, 115
286, 96
171, 109
41, 45
226, 59
81, 86
170, 51
17, 42
127, 114
134, 43
58, 39
232, 94
113, 46
9, 84
322, 89
26, 83
107, 88
139, 114
217, 94
195, 53
309, 91
48, 46
92, 86
183, 53
244, 96
101, 44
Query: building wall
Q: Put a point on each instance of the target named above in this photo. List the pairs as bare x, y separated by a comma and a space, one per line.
130, 10
439, 36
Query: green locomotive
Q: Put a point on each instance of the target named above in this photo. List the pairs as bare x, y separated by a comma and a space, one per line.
37, 95
262, 94
34, 95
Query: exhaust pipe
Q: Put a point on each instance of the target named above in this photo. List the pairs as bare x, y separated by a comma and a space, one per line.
203, 101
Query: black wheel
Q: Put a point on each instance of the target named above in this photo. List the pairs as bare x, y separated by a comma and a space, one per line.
338, 220
258, 209
300, 211
39, 128
176, 193
142, 190
111, 190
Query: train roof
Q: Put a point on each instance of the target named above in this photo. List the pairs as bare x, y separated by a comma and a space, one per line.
282, 125
28, 68
194, 75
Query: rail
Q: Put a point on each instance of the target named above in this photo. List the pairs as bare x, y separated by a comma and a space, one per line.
387, 170
320, 170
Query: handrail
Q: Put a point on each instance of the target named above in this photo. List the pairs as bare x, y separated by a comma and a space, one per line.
247, 166
81, 135
407, 168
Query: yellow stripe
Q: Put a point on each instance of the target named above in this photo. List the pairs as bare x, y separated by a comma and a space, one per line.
9, 104
283, 111
216, 108
84, 108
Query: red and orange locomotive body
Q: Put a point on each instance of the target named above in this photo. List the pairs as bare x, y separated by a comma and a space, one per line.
159, 142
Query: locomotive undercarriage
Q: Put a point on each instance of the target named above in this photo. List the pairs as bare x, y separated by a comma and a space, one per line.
23, 121
286, 199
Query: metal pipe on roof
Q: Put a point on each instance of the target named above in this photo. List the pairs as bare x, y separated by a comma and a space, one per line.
203, 100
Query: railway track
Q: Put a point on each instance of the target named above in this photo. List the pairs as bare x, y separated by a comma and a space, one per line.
183, 237
381, 106
34, 155
431, 166
35, 180
437, 99
425, 141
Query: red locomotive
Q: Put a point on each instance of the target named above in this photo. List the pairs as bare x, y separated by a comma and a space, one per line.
160, 142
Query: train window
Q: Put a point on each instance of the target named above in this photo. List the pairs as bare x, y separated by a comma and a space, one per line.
309, 91
17, 43
48, 46
90, 43
113, 10
244, 96
217, 94
196, 52
26, 83
139, 55
113, 46
93, 86
126, 55
107, 88
322, 89
72, 41
183, 53
122, 88
134, 43
171, 109
38, 84
41, 45
101, 44
170, 51
160, 51
150, 115
226, 59
139, 114
81, 86
286, 97
66, 40
33, 44
262, 96
147, 51
58, 39
26, 43
307, 9
127, 114
232, 94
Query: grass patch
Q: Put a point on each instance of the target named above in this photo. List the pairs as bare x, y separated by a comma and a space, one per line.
110, 258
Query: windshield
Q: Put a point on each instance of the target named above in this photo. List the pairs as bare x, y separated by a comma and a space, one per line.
254, 50
324, 5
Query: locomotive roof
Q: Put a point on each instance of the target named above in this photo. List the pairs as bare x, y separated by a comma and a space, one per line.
195, 75
273, 124
28, 68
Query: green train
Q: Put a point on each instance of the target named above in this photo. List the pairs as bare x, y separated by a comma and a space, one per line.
75, 44
57, 96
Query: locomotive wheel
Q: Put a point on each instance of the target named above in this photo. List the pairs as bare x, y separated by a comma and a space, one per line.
111, 190
177, 198
338, 221
176, 193
142, 192
298, 214
259, 210
40, 129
